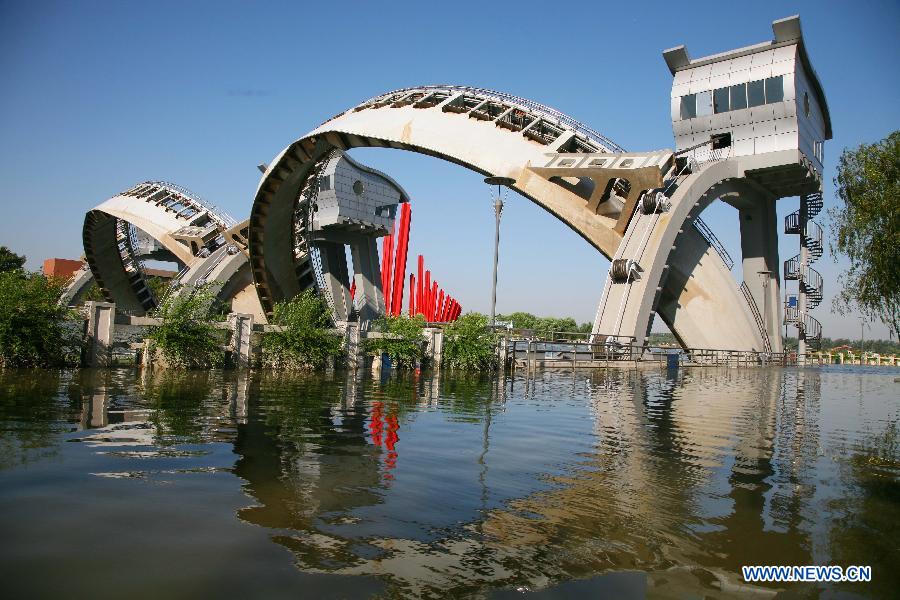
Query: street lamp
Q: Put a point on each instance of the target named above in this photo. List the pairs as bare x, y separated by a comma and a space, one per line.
498, 208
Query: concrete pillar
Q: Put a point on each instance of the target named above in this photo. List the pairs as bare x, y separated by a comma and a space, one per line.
367, 274
761, 267
241, 326
101, 324
337, 278
354, 358
434, 349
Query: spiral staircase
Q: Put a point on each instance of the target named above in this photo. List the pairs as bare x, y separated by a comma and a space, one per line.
810, 280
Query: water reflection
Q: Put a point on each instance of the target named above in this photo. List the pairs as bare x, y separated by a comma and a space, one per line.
459, 486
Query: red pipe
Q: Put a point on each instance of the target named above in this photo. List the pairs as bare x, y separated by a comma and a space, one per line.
434, 291
426, 292
439, 313
400, 263
412, 294
420, 280
387, 278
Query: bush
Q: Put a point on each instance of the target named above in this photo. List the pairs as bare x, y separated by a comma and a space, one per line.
307, 341
187, 337
35, 331
469, 344
403, 342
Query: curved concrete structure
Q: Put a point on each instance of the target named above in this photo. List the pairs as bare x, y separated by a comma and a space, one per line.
498, 135
194, 234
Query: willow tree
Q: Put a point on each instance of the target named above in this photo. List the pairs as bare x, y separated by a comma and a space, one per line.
865, 227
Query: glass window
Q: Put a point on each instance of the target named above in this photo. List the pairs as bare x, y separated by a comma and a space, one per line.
720, 100
704, 104
688, 106
756, 95
739, 96
774, 90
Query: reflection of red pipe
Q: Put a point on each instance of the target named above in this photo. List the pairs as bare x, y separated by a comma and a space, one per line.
375, 424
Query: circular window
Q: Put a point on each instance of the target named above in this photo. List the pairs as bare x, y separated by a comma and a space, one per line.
806, 103
358, 187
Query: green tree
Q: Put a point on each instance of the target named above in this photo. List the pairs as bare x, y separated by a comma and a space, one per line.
403, 339
187, 336
307, 339
35, 331
470, 344
866, 228
10, 261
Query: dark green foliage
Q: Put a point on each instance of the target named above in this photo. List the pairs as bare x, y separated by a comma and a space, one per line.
404, 340
308, 340
469, 344
866, 227
187, 337
10, 261
33, 326
544, 325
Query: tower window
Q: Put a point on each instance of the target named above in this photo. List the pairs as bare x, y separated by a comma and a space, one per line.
774, 90
689, 106
704, 104
720, 100
739, 96
756, 94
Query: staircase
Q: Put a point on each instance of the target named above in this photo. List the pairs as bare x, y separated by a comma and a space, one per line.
810, 281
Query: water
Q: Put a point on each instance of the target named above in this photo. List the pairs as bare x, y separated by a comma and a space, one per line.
616, 483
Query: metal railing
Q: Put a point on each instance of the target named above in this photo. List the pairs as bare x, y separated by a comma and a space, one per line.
754, 309
707, 233
606, 144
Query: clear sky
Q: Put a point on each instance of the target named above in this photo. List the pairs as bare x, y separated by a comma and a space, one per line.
99, 96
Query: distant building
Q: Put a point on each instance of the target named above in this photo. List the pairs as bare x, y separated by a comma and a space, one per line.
62, 268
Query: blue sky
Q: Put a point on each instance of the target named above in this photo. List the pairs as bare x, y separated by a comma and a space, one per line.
99, 96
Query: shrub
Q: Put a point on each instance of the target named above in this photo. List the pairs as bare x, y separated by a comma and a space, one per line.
469, 344
307, 340
403, 342
186, 337
35, 331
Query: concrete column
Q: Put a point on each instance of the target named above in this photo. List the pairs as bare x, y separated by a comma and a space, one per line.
101, 324
367, 274
353, 347
434, 349
761, 267
241, 326
337, 278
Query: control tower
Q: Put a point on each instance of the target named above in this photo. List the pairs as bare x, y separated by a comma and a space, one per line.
762, 100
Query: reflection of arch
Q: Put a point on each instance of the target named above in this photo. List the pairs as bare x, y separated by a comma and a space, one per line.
490, 133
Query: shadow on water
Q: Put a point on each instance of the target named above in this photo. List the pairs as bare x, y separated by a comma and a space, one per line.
608, 483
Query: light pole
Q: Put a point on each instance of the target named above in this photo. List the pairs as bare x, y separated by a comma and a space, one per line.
498, 208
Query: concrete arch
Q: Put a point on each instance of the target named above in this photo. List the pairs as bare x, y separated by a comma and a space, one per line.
488, 132
657, 241
188, 231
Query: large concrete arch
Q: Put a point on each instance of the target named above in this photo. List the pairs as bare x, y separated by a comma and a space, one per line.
654, 242
493, 134
201, 239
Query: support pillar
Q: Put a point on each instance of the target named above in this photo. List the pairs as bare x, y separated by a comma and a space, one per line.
434, 349
353, 347
761, 267
337, 278
101, 324
367, 275
241, 326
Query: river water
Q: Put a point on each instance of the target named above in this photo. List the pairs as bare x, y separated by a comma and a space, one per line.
613, 483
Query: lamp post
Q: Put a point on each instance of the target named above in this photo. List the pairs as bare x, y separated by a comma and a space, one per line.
498, 208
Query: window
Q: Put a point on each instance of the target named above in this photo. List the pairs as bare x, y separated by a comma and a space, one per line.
739, 96
756, 95
704, 104
720, 100
688, 106
806, 104
325, 183
774, 90
819, 151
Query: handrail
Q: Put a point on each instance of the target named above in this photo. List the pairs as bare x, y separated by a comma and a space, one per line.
707, 233
751, 302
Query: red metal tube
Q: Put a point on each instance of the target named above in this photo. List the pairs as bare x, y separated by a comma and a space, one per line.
439, 312
412, 294
434, 291
421, 280
387, 279
400, 262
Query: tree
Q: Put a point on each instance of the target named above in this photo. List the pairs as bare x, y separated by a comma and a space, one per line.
187, 336
866, 228
34, 329
307, 340
470, 344
10, 261
403, 339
